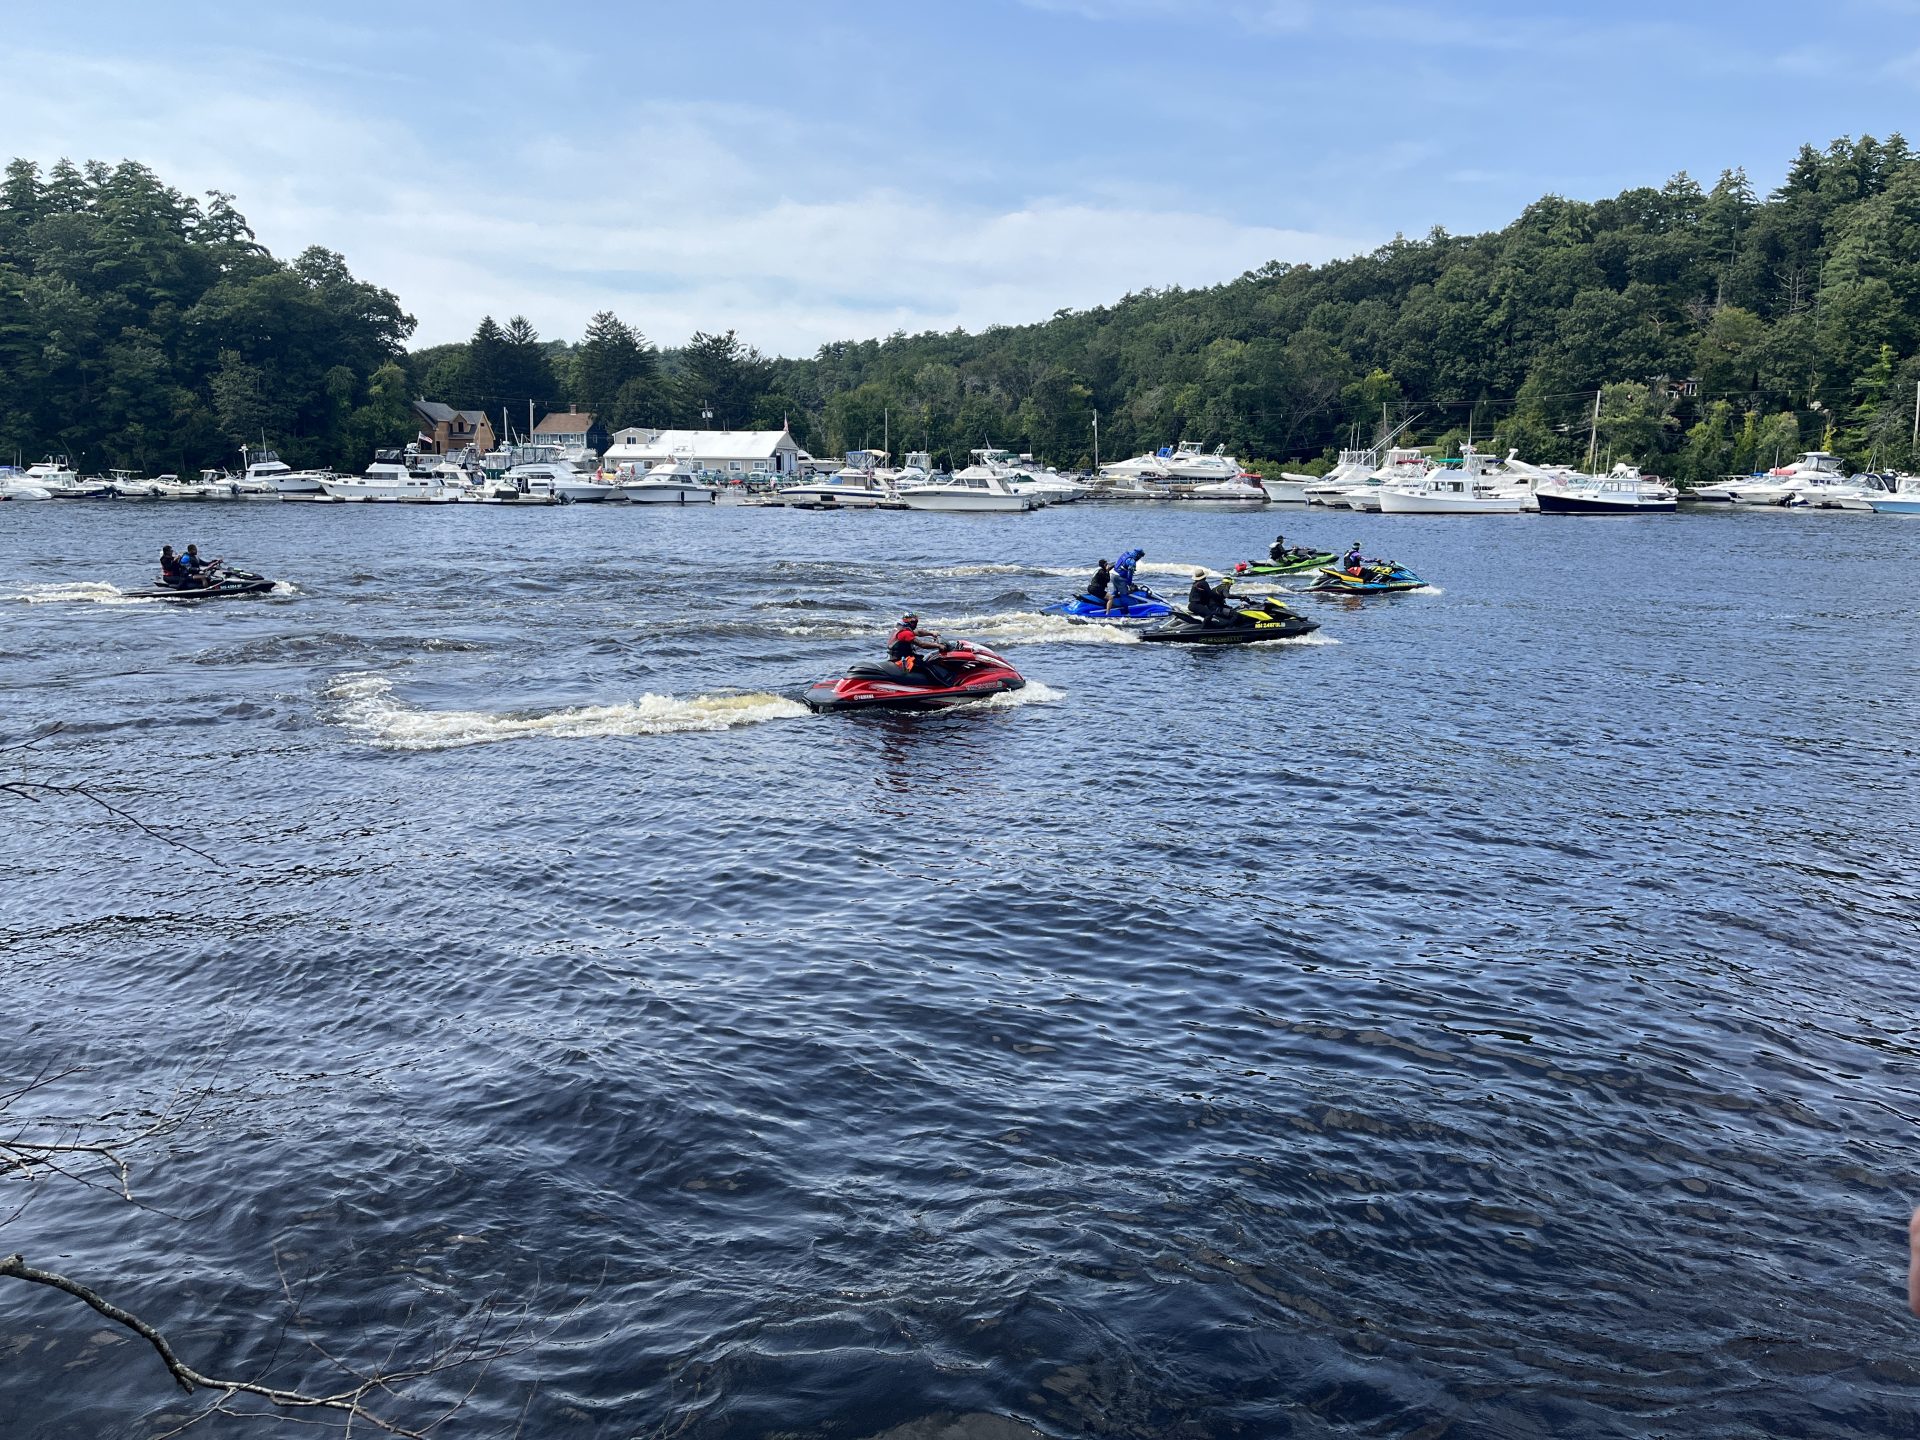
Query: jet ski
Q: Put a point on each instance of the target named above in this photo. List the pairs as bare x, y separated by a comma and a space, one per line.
1376, 577
975, 671
224, 586
1240, 624
1298, 562
1140, 604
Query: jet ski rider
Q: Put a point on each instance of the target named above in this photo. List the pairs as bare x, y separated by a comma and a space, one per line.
1277, 552
1204, 600
1099, 587
1354, 563
199, 572
905, 650
1123, 577
173, 570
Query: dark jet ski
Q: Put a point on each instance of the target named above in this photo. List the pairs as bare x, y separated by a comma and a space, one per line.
222, 586
1239, 623
974, 672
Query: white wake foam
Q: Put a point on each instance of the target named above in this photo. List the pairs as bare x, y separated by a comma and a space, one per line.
1030, 627
79, 592
1033, 693
366, 704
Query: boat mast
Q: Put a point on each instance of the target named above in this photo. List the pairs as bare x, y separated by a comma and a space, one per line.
1593, 432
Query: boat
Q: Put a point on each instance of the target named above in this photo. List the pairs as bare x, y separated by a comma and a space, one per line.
1376, 577
1405, 466
978, 487
1331, 488
14, 485
1856, 493
675, 482
1800, 483
1242, 489
264, 468
1239, 623
1186, 465
1720, 492
1300, 561
1621, 491
391, 480
62, 482
212, 485
1905, 499
1140, 604
974, 673
1462, 490
554, 477
856, 485
224, 586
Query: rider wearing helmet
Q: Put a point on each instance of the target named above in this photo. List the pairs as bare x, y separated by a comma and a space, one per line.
1353, 563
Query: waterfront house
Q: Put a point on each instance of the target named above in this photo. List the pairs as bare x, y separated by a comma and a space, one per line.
574, 432
449, 431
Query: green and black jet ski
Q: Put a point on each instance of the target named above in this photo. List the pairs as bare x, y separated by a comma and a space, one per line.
1298, 562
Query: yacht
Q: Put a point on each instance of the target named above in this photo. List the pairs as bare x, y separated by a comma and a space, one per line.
61, 481
263, 467
15, 486
1331, 488
1905, 499
1241, 489
557, 477
1405, 467
1187, 466
855, 485
1151, 468
392, 480
1449, 490
1801, 483
1856, 493
1621, 491
674, 482
975, 488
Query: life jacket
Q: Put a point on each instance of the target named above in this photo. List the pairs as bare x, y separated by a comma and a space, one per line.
901, 650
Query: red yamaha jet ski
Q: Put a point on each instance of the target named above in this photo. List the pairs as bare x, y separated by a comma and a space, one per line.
975, 673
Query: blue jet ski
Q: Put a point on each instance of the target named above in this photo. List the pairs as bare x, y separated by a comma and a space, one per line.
1140, 604
1375, 577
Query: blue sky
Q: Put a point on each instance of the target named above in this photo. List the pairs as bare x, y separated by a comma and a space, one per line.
810, 172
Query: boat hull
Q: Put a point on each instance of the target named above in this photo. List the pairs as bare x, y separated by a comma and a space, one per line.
1552, 504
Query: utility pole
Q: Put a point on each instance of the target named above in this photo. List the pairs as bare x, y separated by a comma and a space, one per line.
1096, 430
1916, 422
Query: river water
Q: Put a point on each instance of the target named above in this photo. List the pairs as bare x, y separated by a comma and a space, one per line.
1494, 1016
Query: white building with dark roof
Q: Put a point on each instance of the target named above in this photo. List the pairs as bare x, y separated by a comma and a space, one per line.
736, 454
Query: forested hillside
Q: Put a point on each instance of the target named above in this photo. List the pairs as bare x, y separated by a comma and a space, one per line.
141, 328
1722, 329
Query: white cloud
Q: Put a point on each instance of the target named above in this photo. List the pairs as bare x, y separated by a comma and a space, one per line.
690, 217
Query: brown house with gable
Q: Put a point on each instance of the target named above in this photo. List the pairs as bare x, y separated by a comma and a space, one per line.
449, 430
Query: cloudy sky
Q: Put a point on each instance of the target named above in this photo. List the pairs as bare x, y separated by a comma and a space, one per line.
831, 169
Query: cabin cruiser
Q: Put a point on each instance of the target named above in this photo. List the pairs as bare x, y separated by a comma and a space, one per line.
1449, 490
1405, 467
1621, 491
1188, 466
1905, 499
1241, 489
1331, 488
673, 482
557, 477
392, 480
977, 487
15, 486
856, 485
263, 467
1801, 483
62, 482
1151, 468
1857, 493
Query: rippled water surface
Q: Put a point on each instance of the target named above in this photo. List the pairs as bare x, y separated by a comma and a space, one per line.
1495, 1017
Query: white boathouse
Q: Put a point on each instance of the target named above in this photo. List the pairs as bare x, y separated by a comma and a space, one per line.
736, 454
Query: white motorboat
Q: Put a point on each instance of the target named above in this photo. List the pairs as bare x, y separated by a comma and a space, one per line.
556, 477
1188, 466
1855, 493
1242, 489
212, 485
1288, 489
62, 482
1331, 488
14, 485
856, 485
263, 467
1905, 499
1405, 467
1465, 490
1800, 483
675, 482
389, 479
1151, 468
1022, 474
975, 488
125, 485
1621, 491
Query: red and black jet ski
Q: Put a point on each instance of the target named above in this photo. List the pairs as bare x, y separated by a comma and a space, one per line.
973, 673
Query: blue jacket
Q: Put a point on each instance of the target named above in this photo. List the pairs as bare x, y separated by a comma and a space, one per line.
1123, 567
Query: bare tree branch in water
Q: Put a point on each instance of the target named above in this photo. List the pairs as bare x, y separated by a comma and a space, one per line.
387, 1396
36, 791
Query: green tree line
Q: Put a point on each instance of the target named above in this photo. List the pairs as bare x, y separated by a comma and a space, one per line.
1721, 330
